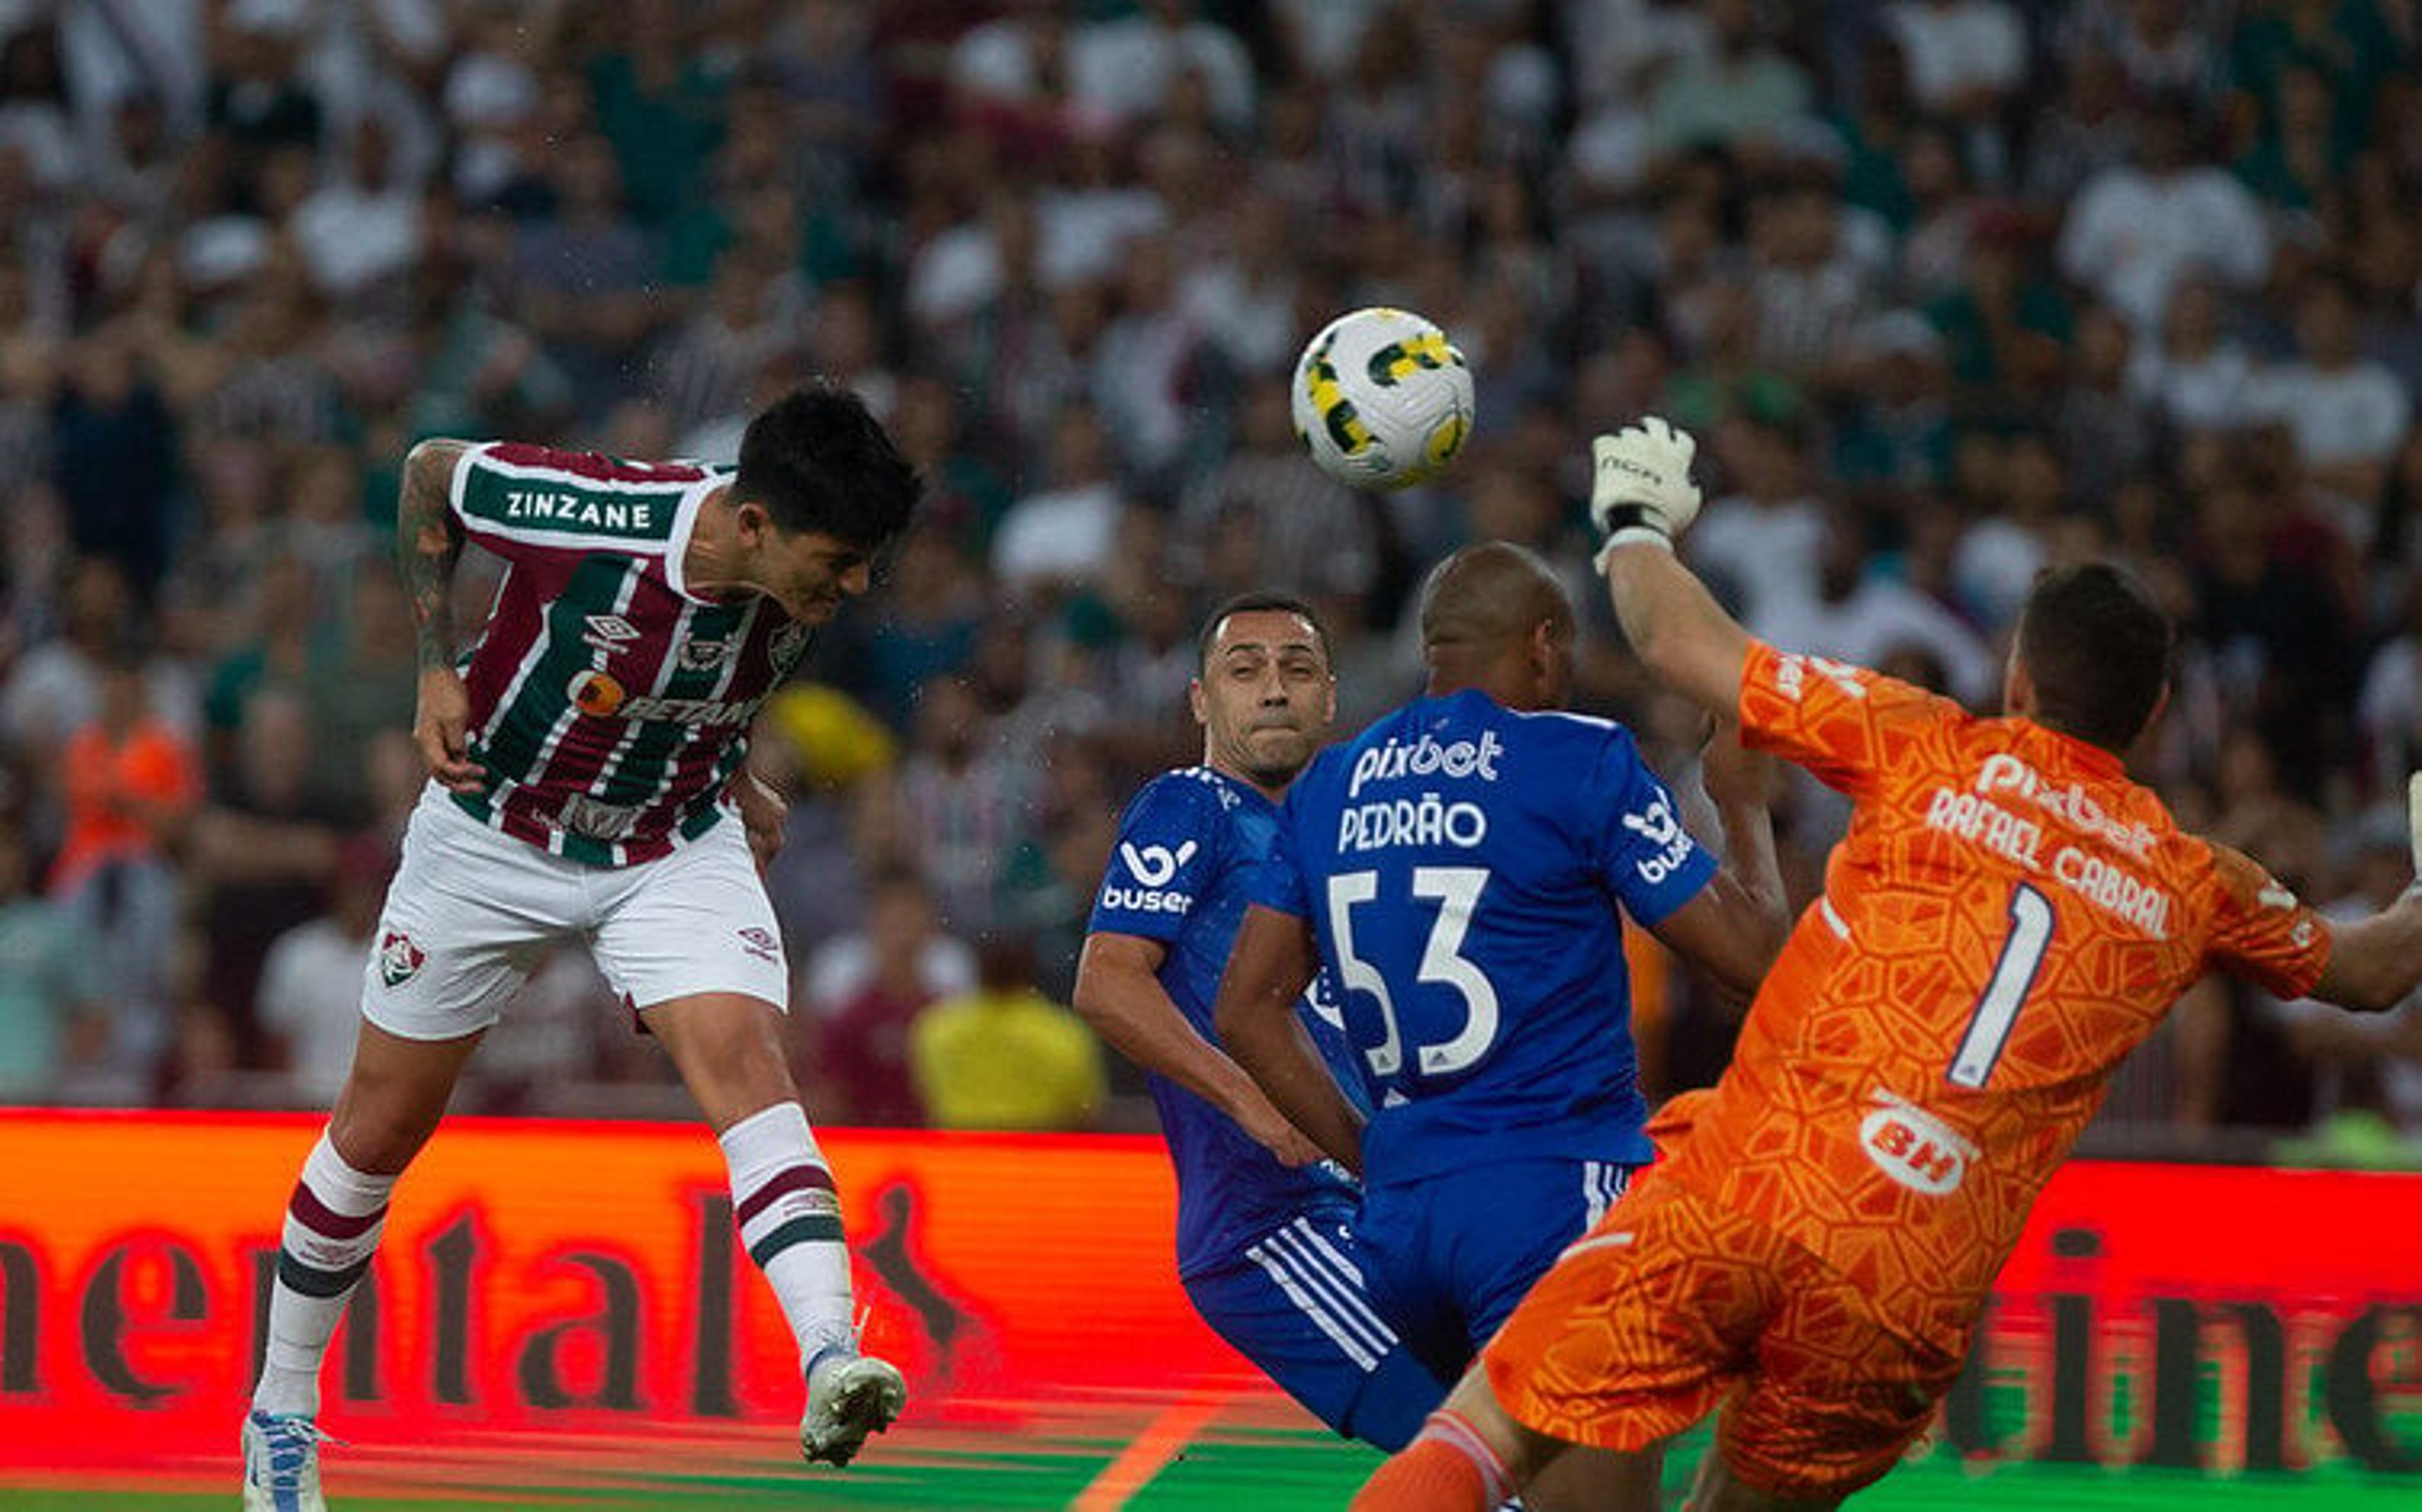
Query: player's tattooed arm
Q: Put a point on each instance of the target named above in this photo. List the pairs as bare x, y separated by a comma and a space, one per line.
428, 543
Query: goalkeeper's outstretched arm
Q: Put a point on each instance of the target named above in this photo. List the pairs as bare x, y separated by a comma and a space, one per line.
2376, 964
1641, 499
1675, 627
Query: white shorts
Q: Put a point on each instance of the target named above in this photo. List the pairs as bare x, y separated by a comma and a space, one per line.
472, 912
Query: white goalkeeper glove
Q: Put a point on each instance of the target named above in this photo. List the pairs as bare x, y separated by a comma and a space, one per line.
1641, 491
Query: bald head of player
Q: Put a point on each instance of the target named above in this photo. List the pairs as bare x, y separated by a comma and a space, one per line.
1495, 618
2092, 656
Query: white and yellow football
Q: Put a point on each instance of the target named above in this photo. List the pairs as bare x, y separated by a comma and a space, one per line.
1382, 399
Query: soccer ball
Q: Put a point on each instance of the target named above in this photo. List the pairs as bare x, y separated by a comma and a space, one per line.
1383, 398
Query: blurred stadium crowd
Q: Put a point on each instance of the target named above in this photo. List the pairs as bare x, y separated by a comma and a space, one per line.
1949, 289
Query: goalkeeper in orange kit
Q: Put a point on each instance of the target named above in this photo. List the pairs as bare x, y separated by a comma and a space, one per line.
2006, 917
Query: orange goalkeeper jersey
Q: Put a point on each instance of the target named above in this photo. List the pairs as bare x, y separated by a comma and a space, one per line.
2006, 918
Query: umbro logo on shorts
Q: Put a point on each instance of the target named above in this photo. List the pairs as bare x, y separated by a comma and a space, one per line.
399, 959
761, 944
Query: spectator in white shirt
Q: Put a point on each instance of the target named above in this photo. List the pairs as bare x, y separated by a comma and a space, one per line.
1013, 59
362, 225
1062, 536
2194, 377
1143, 372
1760, 544
1964, 55
311, 982
1864, 616
2347, 412
1121, 69
1321, 37
1243, 297
1740, 93
848, 965
2137, 228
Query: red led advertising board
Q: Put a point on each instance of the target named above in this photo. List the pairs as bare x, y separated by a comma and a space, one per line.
584, 1277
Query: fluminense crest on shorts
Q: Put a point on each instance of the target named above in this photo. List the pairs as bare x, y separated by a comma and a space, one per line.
399, 959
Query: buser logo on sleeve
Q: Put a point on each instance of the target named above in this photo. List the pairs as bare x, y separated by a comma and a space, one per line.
1154, 865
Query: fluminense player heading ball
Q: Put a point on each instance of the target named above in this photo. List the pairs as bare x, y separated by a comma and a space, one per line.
1265, 1248
585, 761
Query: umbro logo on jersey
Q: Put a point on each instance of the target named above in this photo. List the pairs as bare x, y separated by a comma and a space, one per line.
1154, 865
607, 633
704, 656
399, 959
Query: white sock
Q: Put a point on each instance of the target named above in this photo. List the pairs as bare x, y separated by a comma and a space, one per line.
788, 1214
332, 1224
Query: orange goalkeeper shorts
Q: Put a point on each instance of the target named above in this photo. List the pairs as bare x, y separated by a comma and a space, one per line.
1673, 1305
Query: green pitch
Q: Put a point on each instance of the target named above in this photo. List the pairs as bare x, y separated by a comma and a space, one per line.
1270, 1470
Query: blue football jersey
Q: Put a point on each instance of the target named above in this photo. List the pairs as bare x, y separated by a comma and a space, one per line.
1461, 865
1187, 845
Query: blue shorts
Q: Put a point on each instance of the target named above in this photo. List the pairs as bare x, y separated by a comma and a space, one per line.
1297, 1305
1450, 1255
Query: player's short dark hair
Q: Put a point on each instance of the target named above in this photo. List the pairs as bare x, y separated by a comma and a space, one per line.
817, 459
2099, 650
1259, 600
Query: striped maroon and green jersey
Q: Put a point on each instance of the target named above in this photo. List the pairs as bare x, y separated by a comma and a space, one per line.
609, 704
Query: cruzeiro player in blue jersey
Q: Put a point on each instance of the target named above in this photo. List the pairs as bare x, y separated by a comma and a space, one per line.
1459, 865
1264, 1246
